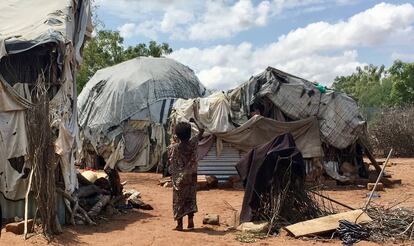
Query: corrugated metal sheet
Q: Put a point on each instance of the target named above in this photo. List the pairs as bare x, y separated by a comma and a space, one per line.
309, 166
222, 167
11, 209
225, 166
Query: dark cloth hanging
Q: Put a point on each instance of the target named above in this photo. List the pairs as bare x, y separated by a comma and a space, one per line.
260, 166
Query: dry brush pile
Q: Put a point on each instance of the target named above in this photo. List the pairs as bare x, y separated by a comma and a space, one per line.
289, 201
391, 225
393, 128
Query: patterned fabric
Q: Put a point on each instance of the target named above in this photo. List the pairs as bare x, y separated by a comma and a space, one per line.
183, 164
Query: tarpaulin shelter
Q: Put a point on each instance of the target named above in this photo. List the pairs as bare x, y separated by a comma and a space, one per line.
225, 143
287, 97
123, 109
39, 41
318, 118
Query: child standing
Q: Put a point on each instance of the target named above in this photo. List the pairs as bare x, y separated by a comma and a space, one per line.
183, 162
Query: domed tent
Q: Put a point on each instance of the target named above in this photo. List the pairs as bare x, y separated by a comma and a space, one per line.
123, 110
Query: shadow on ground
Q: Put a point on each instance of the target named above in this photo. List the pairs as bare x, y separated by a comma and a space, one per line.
207, 230
72, 234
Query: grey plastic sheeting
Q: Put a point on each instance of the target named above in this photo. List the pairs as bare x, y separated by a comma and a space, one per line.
117, 93
340, 121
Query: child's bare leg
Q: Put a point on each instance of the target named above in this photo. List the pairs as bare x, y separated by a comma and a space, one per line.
191, 221
179, 226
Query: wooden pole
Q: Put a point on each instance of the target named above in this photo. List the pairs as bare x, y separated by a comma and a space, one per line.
26, 203
370, 156
375, 186
332, 200
378, 179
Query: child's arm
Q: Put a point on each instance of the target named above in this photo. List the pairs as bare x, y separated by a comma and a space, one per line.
200, 129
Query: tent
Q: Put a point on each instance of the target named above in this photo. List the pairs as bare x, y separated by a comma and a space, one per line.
123, 110
325, 124
39, 41
287, 97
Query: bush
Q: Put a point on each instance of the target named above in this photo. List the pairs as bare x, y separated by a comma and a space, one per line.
393, 128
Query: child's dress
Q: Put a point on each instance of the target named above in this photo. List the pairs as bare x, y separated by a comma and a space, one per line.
183, 164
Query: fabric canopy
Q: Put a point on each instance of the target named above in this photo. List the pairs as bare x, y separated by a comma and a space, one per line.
213, 112
259, 130
26, 24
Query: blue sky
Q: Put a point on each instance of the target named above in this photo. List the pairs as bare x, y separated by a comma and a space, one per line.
227, 41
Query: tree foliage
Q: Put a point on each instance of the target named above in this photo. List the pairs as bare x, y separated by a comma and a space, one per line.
375, 86
106, 49
402, 76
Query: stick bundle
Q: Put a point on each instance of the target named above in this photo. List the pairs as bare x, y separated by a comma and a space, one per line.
42, 159
288, 202
391, 224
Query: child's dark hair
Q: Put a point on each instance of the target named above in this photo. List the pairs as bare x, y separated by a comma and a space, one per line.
183, 131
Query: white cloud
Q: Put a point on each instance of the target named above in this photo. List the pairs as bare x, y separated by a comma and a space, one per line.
222, 21
127, 30
320, 51
280, 5
407, 57
147, 28
174, 18
206, 19
133, 10
196, 20
367, 28
224, 67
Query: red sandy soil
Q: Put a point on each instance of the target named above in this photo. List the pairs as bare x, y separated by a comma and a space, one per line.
154, 227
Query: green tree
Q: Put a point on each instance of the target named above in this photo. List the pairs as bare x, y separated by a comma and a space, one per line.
374, 86
356, 83
153, 49
376, 95
365, 85
402, 76
106, 49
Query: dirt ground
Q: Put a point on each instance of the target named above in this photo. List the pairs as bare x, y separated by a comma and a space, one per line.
155, 227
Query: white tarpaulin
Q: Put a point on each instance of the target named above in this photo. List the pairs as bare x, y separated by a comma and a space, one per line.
63, 147
26, 24
13, 143
12, 184
212, 112
13, 129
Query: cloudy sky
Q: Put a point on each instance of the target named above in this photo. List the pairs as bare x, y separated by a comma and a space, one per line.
227, 41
